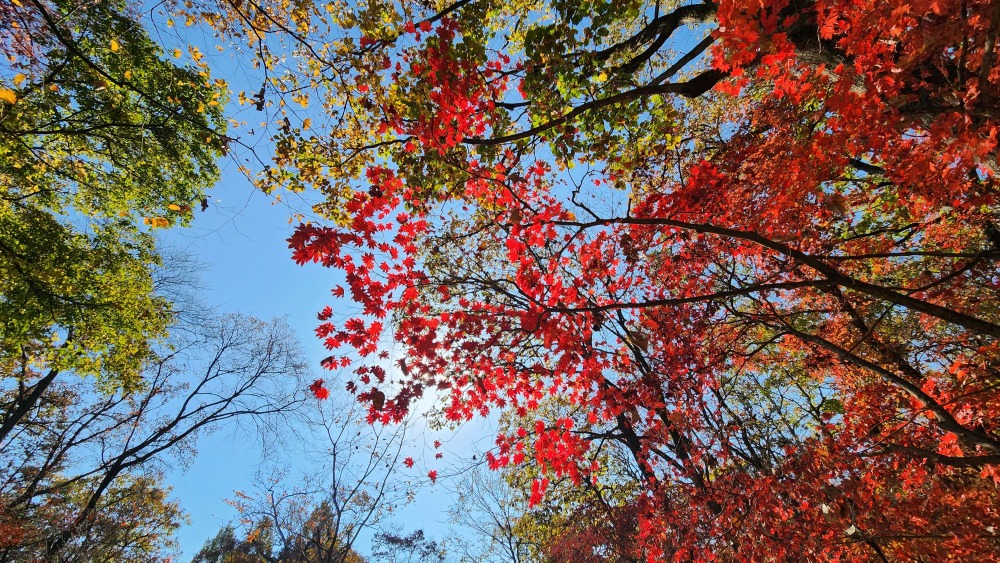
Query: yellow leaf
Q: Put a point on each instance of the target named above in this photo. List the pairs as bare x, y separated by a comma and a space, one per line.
16, 3
174, 207
177, 53
306, 123
128, 75
603, 77
19, 78
8, 96
160, 222
145, 220
114, 46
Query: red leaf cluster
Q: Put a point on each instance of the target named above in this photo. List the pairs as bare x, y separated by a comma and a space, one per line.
792, 337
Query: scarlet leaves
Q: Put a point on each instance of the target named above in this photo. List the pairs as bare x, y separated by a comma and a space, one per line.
460, 97
318, 390
776, 307
538, 487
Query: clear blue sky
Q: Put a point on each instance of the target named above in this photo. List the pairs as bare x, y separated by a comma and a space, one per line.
240, 241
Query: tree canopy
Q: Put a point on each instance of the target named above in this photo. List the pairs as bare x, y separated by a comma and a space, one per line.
752, 243
101, 139
740, 256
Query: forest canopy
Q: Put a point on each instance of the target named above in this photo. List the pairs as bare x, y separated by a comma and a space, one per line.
751, 245
727, 271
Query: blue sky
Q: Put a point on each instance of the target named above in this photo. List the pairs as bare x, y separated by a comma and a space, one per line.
246, 267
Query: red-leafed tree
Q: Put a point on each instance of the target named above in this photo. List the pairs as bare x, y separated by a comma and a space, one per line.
752, 243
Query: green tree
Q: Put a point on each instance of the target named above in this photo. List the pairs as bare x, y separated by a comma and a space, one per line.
312, 540
256, 547
101, 139
320, 539
406, 548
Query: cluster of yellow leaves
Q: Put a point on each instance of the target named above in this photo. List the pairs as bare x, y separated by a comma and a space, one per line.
8, 95
156, 222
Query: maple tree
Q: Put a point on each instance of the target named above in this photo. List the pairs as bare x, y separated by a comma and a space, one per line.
753, 243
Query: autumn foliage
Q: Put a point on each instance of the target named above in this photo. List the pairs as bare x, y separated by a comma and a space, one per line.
765, 267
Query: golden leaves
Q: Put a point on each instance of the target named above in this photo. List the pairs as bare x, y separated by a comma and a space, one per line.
156, 222
8, 96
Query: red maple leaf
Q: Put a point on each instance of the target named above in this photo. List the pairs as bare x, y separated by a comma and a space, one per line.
646, 289
318, 390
